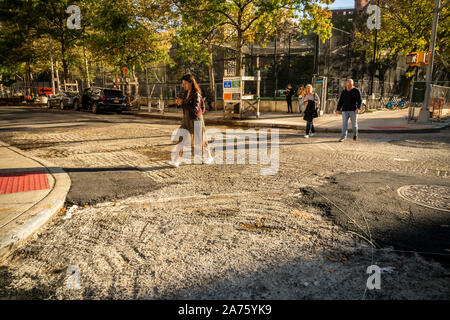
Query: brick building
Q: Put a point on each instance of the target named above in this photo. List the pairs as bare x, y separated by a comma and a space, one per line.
350, 12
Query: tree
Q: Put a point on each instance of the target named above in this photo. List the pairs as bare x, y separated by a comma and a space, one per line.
125, 33
250, 21
18, 32
405, 28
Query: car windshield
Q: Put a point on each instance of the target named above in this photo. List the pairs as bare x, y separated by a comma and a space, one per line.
113, 93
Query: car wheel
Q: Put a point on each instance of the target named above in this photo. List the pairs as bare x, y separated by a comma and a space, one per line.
95, 108
61, 105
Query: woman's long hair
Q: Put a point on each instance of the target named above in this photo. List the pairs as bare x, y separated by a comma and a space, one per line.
190, 78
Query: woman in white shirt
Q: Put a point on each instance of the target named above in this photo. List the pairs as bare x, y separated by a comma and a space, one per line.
313, 102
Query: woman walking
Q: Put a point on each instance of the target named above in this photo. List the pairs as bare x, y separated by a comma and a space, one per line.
289, 94
191, 102
313, 102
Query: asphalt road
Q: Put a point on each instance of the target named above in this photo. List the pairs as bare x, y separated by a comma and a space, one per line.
89, 185
229, 217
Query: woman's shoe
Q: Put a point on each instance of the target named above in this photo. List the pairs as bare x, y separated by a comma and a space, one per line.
306, 136
312, 134
209, 160
174, 164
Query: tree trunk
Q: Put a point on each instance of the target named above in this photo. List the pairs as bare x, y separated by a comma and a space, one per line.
239, 53
86, 68
63, 58
29, 79
212, 85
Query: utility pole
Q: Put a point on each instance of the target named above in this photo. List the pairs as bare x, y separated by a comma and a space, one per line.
53, 72
424, 115
289, 57
276, 63
316, 56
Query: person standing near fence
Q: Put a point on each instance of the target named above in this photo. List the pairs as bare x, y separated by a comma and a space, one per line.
313, 102
349, 104
300, 95
289, 93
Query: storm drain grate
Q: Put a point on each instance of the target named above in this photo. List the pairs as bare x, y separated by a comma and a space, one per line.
430, 196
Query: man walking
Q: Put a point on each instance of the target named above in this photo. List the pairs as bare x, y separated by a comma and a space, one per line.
350, 104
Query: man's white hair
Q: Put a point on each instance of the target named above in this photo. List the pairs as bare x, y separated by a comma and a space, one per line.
351, 81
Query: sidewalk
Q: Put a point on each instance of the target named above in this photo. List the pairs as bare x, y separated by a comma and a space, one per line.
376, 122
31, 192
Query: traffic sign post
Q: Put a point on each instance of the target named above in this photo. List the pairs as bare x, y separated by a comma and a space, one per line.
424, 116
233, 93
45, 91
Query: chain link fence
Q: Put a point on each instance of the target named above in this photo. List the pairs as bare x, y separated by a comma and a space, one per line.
439, 101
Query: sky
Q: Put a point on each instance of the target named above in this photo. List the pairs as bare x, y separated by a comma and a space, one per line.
343, 4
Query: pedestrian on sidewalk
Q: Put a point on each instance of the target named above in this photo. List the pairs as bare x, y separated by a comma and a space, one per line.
289, 93
300, 95
191, 102
210, 99
313, 102
349, 104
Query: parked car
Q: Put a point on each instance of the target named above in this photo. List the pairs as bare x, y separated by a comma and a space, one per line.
103, 99
280, 93
63, 100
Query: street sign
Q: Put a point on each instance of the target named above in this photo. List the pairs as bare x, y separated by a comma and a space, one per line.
419, 58
45, 90
232, 89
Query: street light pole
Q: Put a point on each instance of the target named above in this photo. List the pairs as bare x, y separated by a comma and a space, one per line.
426, 117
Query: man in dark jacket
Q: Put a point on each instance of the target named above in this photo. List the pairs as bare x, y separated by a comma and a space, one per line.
350, 104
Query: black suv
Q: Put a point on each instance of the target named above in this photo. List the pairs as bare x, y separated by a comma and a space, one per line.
102, 99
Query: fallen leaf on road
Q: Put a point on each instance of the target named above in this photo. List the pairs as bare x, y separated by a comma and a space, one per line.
301, 215
333, 259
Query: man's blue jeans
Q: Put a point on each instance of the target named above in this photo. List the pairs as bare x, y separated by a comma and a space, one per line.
354, 118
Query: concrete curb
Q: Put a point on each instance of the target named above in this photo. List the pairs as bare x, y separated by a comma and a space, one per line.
246, 124
41, 212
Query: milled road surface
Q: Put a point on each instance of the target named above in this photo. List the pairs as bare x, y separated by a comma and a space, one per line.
225, 231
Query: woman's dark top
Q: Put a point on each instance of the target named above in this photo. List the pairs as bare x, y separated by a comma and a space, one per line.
190, 107
190, 103
310, 111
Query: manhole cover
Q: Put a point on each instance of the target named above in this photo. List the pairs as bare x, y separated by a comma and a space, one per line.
430, 196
